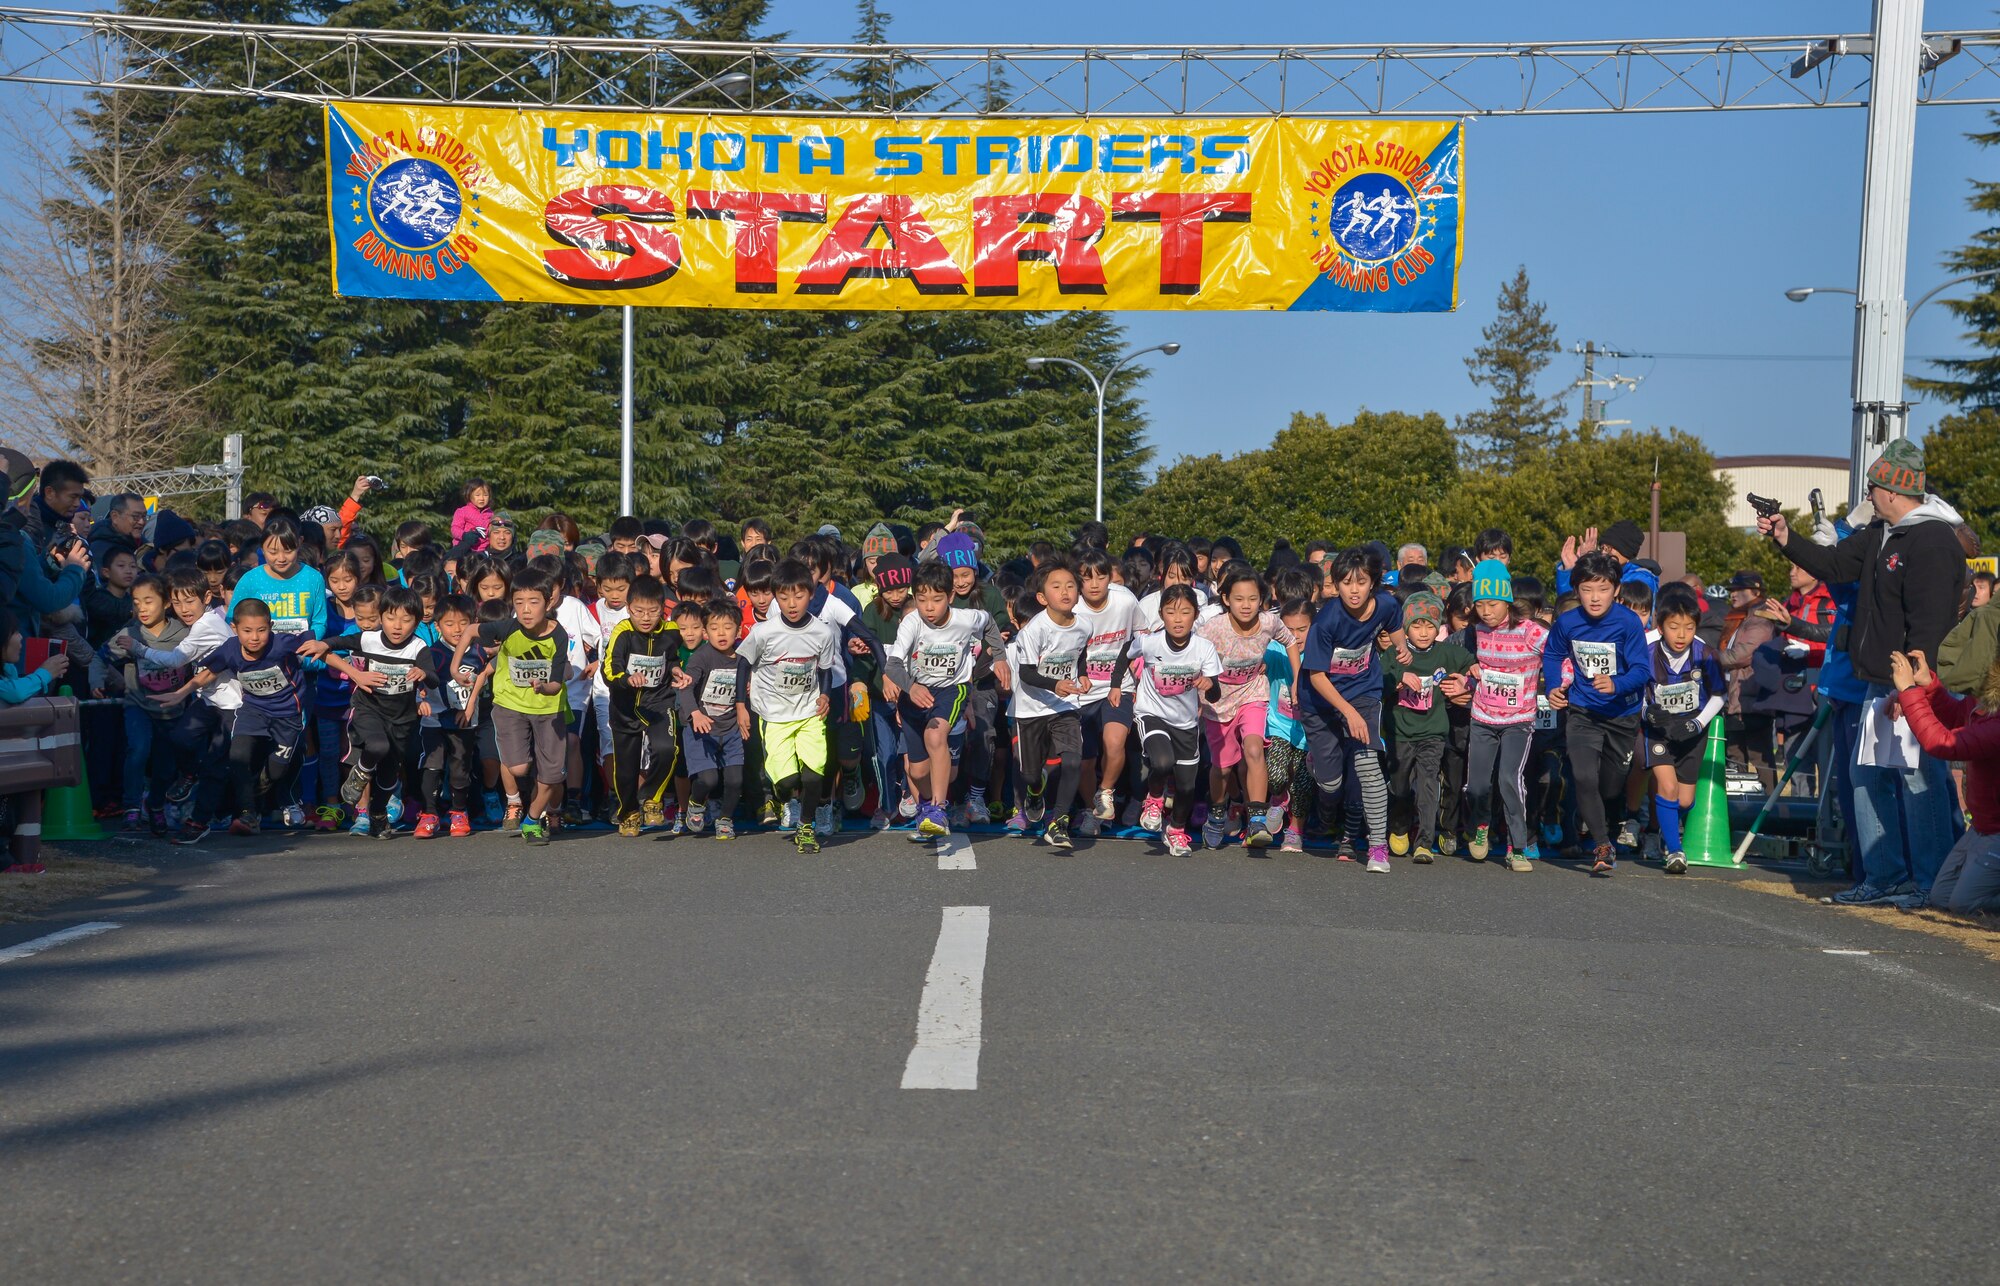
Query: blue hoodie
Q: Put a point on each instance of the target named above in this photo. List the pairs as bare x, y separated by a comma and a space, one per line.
1618, 638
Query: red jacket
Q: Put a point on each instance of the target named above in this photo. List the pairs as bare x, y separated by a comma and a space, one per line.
1815, 608
1952, 727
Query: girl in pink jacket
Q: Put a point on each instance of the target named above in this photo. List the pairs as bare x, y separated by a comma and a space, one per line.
475, 514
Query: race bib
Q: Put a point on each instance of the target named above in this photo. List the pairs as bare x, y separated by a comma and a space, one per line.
1234, 674
1503, 688
796, 676
268, 682
1348, 660
1102, 656
526, 672
936, 665
1418, 698
395, 675
1059, 667
457, 695
719, 692
160, 678
1545, 715
290, 624
1172, 681
1682, 698
1595, 660
646, 671
1281, 698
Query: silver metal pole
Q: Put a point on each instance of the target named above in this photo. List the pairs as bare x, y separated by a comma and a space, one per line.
1100, 445
1880, 412
232, 462
625, 426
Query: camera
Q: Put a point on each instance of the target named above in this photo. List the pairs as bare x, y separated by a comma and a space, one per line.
375, 483
1765, 507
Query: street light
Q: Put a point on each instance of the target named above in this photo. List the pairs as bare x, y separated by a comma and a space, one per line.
1101, 385
1799, 294
729, 84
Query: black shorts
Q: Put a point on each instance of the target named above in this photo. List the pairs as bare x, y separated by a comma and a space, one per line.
1186, 742
1096, 715
1685, 756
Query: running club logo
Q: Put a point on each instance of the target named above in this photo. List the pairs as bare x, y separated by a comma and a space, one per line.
1371, 210
413, 202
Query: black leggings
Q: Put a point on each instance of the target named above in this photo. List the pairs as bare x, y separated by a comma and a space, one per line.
449, 754
1600, 758
1053, 741
260, 764
1172, 755
704, 783
809, 784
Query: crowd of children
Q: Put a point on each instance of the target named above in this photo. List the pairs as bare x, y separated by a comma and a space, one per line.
293, 670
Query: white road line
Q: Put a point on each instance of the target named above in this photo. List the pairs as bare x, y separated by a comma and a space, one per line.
955, 853
56, 939
946, 1056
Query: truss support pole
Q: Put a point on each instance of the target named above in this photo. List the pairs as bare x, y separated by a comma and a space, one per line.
1880, 315
232, 464
625, 424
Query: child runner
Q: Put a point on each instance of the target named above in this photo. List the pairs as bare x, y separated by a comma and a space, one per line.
451, 730
1419, 690
1284, 736
269, 737
1686, 694
1507, 646
389, 708
1049, 652
531, 663
1607, 644
1342, 713
792, 659
1235, 722
929, 670
639, 665
1180, 668
1110, 613
715, 722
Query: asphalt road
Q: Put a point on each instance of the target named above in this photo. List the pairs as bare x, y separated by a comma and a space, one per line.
622, 1060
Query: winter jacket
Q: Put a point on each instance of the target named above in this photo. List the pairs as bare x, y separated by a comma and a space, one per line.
1740, 647
1953, 728
1968, 652
1911, 576
1812, 609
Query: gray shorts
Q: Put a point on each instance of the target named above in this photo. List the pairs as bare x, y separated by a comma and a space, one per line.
535, 740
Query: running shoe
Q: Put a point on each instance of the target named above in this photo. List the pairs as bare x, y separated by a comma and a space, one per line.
190, 832
1863, 894
790, 821
1628, 834
1179, 843
826, 819
1378, 859
882, 821
1018, 823
350, 789
1518, 861
1274, 818
1677, 863
1650, 846
1214, 830
361, 826
805, 841
1035, 809
909, 807
461, 826
652, 814
1399, 844
1106, 809
1423, 855
135, 819
1056, 833
395, 808
1088, 826
725, 828
384, 828
1447, 843
1344, 851
932, 822
294, 817
511, 818
768, 816
954, 816
27, 868
1259, 837
494, 805
628, 825
328, 817
534, 830
1152, 814
1912, 901
1532, 852
1482, 844
572, 813
697, 818
1294, 841
427, 826
1604, 861
182, 788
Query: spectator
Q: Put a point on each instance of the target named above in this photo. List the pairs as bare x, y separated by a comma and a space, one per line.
259, 505
46, 507
1750, 727
123, 528
25, 848
1909, 572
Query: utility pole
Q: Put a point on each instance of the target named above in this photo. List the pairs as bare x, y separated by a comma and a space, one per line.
1588, 384
1593, 405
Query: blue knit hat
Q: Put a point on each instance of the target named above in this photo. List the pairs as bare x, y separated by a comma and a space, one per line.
1491, 579
957, 550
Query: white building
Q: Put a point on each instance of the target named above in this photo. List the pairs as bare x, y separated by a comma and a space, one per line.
1783, 478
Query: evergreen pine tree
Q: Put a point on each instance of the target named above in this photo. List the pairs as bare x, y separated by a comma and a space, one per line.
1975, 381
1518, 347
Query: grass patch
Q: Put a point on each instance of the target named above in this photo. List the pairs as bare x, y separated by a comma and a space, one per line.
28, 897
1978, 933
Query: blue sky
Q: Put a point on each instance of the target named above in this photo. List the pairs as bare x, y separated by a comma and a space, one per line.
1658, 234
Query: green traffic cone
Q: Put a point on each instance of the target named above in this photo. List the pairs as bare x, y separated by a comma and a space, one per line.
1705, 830
66, 810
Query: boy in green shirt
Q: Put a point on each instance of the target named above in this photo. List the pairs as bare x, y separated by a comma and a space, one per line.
530, 667
1419, 728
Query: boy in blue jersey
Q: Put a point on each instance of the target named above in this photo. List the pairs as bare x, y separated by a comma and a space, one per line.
265, 749
1686, 693
1603, 645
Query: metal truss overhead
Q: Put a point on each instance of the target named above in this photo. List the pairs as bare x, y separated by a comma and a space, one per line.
1557, 78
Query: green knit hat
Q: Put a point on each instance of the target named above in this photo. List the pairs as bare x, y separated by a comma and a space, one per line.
1900, 469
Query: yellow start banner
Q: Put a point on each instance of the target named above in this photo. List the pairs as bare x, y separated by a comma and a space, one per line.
706, 211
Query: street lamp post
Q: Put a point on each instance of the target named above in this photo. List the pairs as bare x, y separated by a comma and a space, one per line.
1101, 385
728, 84
1857, 481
